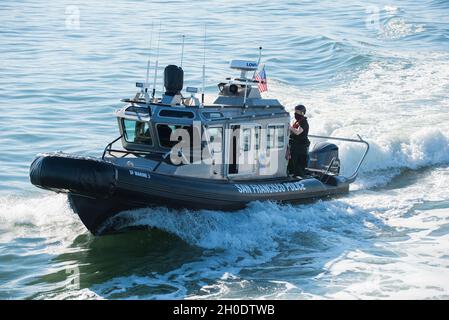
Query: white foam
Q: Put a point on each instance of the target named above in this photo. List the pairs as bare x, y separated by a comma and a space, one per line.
416, 267
241, 240
425, 147
47, 216
395, 28
256, 229
398, 106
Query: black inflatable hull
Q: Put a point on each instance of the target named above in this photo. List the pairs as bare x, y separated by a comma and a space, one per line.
98, 190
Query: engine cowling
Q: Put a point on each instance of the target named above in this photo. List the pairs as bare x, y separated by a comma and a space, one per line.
324, 157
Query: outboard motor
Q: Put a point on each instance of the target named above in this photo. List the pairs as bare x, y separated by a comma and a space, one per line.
324, 158
173, 82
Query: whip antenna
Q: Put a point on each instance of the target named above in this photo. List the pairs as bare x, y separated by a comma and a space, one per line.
204, 64
157, 62
182, 50
147, 78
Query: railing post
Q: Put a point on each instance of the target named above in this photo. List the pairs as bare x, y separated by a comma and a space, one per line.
109, 146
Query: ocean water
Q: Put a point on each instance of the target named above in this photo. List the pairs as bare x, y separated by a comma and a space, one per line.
375, 68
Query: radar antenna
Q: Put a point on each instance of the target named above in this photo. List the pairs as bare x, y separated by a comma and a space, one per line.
204, 65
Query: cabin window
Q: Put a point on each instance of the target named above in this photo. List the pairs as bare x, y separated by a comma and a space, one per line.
176, 114
213, 146
164, 132
134, 109
186, 139
213, 115
214, 135
257, 137
248, 135
137, 132
275, 137
246, 139
244, 146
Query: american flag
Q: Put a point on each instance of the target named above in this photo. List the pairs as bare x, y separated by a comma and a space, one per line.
262, 78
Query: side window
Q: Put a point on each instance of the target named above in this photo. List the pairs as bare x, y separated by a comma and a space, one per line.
137, 132
214, 136
213, 115
275, 137
257, 137
164, 132
213, 146
176, 114
246, 139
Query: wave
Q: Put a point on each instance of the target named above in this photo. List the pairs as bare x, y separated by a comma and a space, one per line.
258, 228
423, 148
48, 216
398, 104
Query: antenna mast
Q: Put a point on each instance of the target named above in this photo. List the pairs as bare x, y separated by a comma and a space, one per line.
147, 98
204, 65
157, 62
258, 62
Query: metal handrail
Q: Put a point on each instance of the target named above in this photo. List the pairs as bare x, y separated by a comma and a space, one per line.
353, 176
109, 146
109, 149
250, 116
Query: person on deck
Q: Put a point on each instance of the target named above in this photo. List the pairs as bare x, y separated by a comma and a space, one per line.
299, 143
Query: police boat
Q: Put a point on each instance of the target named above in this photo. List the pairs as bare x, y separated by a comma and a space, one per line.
178, 151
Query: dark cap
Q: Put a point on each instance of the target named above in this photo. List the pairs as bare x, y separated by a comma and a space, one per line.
300, 107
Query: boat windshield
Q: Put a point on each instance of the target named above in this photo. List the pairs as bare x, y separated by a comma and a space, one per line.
137, 132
